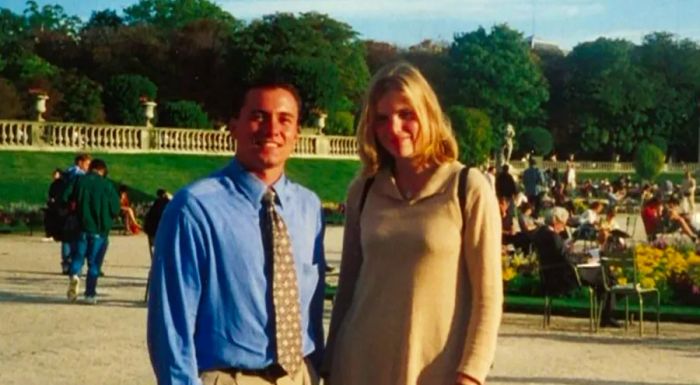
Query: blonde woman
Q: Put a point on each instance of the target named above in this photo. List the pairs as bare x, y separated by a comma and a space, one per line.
420, 292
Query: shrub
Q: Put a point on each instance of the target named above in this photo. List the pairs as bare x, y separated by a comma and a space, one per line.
11, 105
32, 67
183, 113
122, 98
648, 161
81, 100
340, 123
536, 140
474, 134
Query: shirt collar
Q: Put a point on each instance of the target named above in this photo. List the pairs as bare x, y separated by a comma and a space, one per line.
252, 187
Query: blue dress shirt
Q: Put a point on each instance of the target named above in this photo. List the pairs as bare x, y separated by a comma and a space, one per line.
210, 305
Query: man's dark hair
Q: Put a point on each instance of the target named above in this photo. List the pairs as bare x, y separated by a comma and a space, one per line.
273, 75
161, 192
239, 97
505, 169
81, 157
98, 164
532, 161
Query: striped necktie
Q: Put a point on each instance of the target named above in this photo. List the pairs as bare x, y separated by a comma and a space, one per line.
285, 294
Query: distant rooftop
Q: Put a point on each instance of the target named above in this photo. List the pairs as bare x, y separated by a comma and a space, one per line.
542, 45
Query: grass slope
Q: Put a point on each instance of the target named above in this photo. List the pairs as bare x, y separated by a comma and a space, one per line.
28, 174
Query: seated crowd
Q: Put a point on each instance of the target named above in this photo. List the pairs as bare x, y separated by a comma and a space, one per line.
550, 223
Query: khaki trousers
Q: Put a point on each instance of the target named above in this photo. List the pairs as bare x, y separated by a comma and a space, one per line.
305, 376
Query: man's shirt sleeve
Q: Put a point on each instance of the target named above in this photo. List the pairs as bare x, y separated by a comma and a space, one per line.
174, 298
316, 316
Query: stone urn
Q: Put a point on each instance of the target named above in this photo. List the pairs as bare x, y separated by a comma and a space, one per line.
40, 106
321, 122
149, 112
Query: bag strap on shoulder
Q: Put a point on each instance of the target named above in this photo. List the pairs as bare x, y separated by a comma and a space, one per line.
365, 191
462, 193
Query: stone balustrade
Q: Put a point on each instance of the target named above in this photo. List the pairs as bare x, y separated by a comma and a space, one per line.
61, 136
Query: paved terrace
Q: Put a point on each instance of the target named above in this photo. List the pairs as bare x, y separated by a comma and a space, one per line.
45, 340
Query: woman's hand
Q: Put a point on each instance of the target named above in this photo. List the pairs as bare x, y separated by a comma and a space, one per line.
463, 379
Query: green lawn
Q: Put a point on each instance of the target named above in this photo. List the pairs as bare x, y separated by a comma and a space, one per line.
28, 174
579, 307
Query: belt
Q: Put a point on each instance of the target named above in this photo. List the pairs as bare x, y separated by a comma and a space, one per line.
270, 373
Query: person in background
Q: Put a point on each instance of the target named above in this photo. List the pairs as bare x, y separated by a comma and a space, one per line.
70, 227
534, 182
131, 224
652, 214
673, 220
505, 184
237, 282
589, 221
420, 291
570, 176
97, 205
52, 212
554, 254
155, 212
491, 175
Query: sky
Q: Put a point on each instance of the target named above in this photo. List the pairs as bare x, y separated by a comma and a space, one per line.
407, 22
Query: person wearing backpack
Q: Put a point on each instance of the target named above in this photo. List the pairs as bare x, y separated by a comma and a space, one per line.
97, 204
420, 293
66, 219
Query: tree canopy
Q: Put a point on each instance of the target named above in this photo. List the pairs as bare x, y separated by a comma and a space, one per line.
496, 72
599, 100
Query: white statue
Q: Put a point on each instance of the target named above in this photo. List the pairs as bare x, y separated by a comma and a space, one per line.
508, 143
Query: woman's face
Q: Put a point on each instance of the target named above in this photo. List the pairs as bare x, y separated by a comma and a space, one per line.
396, 125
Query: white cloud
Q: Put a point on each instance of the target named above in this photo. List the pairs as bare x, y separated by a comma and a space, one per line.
478, 10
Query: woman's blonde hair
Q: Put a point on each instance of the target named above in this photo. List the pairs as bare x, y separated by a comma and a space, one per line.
435, 142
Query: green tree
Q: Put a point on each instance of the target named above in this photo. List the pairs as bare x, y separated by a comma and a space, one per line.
105, 18
140, 49
340, 123
496, 72
11, 105
314, 36
648, 161
198, 67
552, 62
608, 98
472, 128
81, 99
674, 66
172, 14
379, 54
34, 67
183, 113
432, 59
122, 98
535, 140
50, 17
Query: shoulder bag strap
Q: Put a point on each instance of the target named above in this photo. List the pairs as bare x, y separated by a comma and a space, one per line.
462, 193
365, 191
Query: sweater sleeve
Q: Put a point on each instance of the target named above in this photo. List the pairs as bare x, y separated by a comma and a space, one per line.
351, 261
482, 250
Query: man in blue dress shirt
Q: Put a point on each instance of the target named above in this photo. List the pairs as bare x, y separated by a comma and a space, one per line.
211, 316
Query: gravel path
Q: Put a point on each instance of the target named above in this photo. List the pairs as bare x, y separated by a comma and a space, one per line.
45, 340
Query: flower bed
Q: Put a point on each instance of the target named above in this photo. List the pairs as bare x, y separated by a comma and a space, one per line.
672, 268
